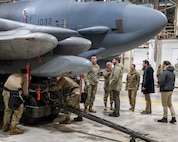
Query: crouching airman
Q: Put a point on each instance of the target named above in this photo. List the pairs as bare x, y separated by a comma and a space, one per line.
73, 99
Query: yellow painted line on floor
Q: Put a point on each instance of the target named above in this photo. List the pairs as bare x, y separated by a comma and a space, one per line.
140, 101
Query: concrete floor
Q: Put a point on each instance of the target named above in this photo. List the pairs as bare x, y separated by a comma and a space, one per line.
89, 131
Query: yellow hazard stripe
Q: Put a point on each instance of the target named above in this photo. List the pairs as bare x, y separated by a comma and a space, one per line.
140, 101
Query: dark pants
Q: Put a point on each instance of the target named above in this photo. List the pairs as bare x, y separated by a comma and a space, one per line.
116, 98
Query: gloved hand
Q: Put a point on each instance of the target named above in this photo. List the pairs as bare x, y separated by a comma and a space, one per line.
46, 90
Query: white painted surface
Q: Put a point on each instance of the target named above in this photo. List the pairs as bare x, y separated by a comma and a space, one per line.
169, 50
140, 54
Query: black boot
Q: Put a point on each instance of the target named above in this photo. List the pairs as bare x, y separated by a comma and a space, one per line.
114, 114
79, 118
173, 120
163, 120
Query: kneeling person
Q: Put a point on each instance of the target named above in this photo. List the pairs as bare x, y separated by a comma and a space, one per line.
73, 100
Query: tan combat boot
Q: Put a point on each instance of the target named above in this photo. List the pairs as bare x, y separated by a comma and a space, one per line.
66, 121
5, 127
86, 110
111, 107
92, 110
15, 131
105, 106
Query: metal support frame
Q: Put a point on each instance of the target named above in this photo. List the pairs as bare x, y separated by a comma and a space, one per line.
105, 122
133, 134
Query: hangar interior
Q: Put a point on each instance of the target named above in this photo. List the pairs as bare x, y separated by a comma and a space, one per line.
168, 7
164, 45
157, 48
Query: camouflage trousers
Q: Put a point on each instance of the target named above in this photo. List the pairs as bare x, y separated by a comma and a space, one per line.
91, 92
132, 97
73, 100
16, 114
107, 93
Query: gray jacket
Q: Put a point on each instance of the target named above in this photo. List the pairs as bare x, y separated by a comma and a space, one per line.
167, 79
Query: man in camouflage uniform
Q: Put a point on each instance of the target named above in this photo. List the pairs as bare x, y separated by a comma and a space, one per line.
107, 92
14, 82
72, 88
132, 85
116, 85
91, 81
159, 72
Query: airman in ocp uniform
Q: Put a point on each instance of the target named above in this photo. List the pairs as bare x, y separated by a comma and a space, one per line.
72, 88
107, 91
15, 82
159, 72
116, 85
91, 81
132, 85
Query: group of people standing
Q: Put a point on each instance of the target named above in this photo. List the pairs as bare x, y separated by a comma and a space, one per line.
113, 74
132, 85
166, 83
17, 83
113, 83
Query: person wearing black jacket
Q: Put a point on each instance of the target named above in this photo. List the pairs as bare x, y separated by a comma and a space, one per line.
147, 85
166, 82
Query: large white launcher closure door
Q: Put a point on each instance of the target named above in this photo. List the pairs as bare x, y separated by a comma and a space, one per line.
174, 56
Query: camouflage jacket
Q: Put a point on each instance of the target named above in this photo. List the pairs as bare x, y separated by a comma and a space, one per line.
93, 76
106, 74
116, 77
132, 80
65, 83
159, 72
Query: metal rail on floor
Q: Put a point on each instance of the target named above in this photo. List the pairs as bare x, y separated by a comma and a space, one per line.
105, 122
89, 116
